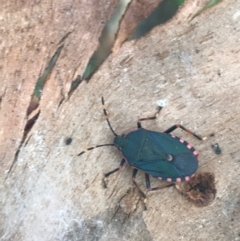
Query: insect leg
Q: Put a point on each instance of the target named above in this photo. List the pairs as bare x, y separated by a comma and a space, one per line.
148, 118
185, 129
139, 189
111, 172
148, 184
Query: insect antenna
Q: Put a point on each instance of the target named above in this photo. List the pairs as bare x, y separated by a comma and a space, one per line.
105, 113
106, 116
93, 147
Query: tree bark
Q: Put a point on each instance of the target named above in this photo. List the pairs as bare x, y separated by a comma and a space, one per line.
191, 65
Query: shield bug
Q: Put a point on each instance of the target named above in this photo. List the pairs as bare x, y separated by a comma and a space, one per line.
159, 154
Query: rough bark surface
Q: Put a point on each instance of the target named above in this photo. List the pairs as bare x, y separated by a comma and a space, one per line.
191, 66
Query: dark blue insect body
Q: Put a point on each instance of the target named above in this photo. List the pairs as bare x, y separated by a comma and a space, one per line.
159, 154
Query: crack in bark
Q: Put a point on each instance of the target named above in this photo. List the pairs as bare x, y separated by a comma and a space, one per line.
106, 40
1, 97
30, 123
34, 103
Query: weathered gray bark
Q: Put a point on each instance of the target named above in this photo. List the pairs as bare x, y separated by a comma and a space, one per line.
51, 193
